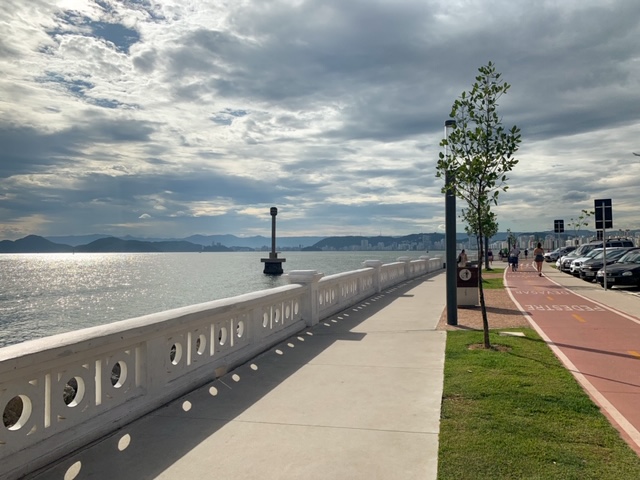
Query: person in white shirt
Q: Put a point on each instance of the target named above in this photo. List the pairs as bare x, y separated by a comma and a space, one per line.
513, 258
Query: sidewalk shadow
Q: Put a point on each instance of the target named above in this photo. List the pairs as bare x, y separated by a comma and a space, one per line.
148, 446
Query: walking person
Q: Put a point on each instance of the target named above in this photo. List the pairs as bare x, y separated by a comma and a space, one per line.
513, 258
490, 257
462, 259
538, 257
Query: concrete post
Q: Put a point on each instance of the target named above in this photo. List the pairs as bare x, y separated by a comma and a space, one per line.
309, 279
407, 261
377, 266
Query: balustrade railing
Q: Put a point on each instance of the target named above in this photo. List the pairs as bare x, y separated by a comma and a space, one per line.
61, 392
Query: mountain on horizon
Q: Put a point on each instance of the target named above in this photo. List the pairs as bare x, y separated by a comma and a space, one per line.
33, 244
227, 240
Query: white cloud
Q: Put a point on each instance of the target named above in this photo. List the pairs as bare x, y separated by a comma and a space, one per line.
207, 114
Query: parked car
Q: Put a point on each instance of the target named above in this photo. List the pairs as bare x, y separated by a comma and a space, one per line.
576, 263
557, 253
589, 268
626, 271
564, 263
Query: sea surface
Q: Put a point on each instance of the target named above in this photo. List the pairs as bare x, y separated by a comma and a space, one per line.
46, 294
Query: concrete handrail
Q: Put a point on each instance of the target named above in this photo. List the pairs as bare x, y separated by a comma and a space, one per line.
70, 389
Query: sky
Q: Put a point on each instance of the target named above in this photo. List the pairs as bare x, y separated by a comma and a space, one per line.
167, 118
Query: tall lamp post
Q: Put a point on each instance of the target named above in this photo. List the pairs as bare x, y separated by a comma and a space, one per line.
450, 234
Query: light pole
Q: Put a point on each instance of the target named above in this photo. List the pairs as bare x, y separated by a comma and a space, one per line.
450, 234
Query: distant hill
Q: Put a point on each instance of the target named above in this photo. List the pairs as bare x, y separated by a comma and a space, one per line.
113, 244
75, 240
255, 242
230, 241
33, 244
36, 244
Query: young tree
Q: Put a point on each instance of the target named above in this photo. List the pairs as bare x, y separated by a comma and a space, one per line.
581, 221
481, 153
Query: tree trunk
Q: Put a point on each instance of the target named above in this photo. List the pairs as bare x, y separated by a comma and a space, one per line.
486, 253
483, 307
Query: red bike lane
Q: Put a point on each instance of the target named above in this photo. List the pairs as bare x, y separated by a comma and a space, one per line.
598, 344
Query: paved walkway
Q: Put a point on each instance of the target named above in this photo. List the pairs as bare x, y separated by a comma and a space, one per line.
595, 333
356, 397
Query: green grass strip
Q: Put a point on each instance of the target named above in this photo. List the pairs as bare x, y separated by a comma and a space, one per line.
519, 414
492, 283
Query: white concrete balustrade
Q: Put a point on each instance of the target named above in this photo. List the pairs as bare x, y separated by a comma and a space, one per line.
61, 392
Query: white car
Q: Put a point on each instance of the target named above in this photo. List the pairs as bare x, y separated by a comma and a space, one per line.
574, 268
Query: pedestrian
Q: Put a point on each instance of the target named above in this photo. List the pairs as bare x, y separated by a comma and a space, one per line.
538, 257
462, 259
490, 257
513, 258
526, 253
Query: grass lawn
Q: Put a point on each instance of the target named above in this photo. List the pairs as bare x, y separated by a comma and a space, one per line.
493, 279
519, 414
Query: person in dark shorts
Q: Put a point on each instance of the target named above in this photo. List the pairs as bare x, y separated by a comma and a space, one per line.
538, 257
513, 258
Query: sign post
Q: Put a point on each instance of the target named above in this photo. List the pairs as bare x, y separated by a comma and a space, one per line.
604, 219
558, 228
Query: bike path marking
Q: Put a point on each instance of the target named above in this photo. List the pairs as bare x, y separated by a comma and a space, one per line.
593, 307
578, 317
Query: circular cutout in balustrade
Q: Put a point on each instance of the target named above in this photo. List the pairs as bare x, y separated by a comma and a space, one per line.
201, 344
222, 335
119, 374
74, 391
240, 329
175, 354
16, 412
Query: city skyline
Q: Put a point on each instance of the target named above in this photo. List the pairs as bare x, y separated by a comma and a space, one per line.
162, 117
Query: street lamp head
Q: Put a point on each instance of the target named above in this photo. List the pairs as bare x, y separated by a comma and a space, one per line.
450, 124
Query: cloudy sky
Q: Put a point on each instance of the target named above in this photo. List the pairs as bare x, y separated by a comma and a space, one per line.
173, 117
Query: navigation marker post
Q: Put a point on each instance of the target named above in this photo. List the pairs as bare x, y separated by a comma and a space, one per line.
273, 264
604, 219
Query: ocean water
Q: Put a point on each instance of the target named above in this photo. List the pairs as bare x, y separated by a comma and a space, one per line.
46, 294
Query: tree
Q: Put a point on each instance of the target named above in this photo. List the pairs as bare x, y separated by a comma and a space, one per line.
581, 221
481, 153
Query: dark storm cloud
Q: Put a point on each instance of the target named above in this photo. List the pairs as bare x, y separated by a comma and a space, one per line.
27, 150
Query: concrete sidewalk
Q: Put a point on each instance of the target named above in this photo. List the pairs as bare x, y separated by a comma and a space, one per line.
356, 397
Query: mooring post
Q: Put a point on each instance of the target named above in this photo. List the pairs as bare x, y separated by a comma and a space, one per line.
273, 264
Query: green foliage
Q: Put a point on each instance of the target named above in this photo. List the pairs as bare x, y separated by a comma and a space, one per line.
517, 413
581, 221
481, 150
